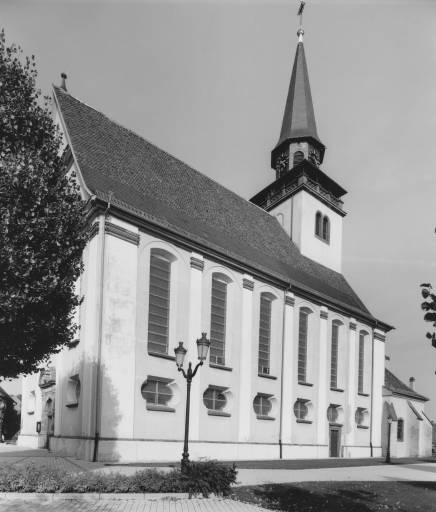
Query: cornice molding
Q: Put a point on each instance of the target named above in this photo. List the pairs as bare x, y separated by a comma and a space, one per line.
248, 284
122, 233
379, 336
289, 300
93, 230
197, 263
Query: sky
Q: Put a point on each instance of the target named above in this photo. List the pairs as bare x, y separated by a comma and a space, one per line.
207, 81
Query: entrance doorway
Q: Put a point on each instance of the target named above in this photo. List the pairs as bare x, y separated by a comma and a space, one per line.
335, 441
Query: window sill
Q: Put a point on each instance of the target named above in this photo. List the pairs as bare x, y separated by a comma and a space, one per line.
30, 412
267, 376
304, 421
162, 408
322, 239
163, 356
259, 417
218, 413
336, 425
363, 394
72, 404
339, 390
73, 344
363, 426
220, 367
305, 384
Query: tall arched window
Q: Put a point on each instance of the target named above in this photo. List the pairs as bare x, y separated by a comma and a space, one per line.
361, 372
218, 316
400, 430
326, 229
334, 355
322, 227
159, 301
264, 333
318, 224
302, 344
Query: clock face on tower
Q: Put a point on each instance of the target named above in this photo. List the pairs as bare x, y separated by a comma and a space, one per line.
282, 162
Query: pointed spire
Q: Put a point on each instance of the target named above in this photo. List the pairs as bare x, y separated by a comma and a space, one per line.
299, 117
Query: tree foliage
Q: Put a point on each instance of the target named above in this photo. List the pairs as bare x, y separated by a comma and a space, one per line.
429, 306
42, 226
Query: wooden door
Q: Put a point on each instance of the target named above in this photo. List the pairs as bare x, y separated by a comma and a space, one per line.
335, 441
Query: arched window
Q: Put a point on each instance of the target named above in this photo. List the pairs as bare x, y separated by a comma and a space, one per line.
218, 316
334, 355
302, 344
400, 430
361, 372
298, 157
215, 400
159, 301
264, 333
318, 224
326, 229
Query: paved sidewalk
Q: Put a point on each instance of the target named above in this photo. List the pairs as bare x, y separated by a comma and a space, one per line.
128, 505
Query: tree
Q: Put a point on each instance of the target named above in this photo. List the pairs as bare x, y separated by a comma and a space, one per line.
42, 223
429, 306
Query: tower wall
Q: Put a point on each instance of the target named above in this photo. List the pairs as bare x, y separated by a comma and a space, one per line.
297, 216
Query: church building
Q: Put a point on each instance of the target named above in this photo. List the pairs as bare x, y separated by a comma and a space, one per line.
296, 363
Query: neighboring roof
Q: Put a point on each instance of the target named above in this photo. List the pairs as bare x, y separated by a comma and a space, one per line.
299, 117
392, 413
415, 412
6, 396
398, 387
165, 192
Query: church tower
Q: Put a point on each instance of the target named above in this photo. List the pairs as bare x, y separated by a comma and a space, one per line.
305, 200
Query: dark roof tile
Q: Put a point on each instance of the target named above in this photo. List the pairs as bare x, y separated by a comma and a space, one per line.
395, 385
170, 194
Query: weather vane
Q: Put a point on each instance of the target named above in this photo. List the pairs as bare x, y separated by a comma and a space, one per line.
300, 32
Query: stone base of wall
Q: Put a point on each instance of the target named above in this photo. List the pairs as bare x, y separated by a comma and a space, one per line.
124, 450
28, 440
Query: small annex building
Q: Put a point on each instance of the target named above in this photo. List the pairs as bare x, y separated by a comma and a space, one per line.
297, 361
411, 428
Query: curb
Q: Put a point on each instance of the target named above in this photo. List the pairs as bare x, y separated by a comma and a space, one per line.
92, 496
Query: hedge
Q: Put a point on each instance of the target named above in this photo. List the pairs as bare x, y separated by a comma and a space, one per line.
199, 478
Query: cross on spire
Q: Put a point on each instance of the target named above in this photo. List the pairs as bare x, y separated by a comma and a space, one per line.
300, 31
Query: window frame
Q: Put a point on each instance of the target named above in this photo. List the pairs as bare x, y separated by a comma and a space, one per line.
302, 404
400, 423
154, 299
265, 334
363, 336
220, 359
303, 345
154, 405
262, 413
216, 390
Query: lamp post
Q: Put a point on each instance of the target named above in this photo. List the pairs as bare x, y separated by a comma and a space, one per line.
203, 345
388, 451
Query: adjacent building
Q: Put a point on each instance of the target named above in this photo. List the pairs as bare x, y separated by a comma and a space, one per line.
403, 413
296, 365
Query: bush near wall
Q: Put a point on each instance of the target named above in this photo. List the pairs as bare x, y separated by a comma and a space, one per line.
199, 478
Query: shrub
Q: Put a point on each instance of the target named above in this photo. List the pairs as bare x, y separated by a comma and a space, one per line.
199, 478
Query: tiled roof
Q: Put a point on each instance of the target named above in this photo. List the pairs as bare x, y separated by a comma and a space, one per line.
169, 194
395, 385
299, 117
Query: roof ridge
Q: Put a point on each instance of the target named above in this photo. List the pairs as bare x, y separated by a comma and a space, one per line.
59, 89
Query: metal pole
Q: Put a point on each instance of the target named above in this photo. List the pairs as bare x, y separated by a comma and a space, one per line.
185, 455
388, 452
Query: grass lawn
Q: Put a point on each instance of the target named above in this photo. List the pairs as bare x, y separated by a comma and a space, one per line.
342, 496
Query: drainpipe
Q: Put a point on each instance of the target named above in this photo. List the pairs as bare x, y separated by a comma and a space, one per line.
372, 396
282, 373
100, 332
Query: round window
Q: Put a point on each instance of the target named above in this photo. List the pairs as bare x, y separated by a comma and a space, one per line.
300, 409
332, 414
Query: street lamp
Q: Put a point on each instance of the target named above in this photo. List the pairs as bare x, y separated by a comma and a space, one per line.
388, 451
203, 345
3, 406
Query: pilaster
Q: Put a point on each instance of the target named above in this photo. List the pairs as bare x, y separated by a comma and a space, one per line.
288, 369
351, 384
378, 378
246, 366
195, 303
322, 378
